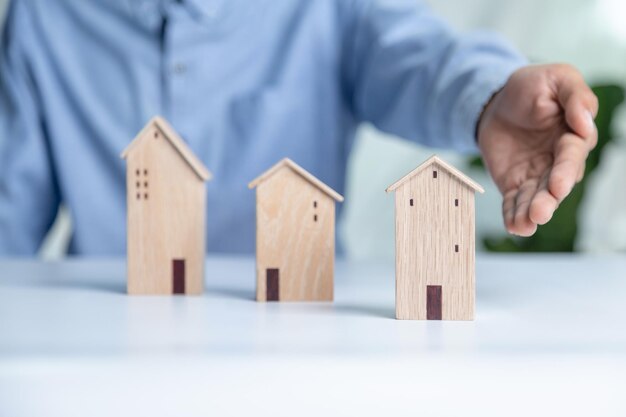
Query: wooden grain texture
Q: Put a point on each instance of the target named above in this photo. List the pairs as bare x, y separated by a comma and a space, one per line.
286, 162
166, 203
176, 141
295, 221
444, 165
428, 235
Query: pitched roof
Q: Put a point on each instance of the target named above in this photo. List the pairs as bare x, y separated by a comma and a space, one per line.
436, 160
179, 145
298, 170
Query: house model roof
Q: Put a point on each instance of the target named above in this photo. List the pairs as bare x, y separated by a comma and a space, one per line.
286, 162
179, 145
436, 160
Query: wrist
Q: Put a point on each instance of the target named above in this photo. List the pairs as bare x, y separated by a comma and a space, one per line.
485, 115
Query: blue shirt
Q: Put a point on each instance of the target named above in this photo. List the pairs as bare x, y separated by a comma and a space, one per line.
245, 83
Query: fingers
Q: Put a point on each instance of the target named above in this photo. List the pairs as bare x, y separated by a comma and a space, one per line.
530, 205
534, 202
578, 101
508, 209
516, 209
569, 160
581, 172
543, 204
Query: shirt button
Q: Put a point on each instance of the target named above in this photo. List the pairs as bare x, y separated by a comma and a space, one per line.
179, 68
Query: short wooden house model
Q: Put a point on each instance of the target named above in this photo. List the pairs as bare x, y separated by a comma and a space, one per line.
435, 243
166, 203
295, 235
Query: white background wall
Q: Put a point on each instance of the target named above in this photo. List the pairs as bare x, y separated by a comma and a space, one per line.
590, 34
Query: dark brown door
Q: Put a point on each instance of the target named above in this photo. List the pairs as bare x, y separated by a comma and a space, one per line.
178, 276
433, 302
272, 284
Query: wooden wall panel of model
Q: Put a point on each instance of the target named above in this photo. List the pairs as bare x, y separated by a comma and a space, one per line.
295, 235
166, 202
435, 244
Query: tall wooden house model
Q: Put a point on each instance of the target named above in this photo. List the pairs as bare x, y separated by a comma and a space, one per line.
166, 203
435, 243
295, 236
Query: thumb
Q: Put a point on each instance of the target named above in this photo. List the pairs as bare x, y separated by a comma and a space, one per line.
578, 101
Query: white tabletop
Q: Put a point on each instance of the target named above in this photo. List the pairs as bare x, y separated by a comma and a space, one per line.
549, 339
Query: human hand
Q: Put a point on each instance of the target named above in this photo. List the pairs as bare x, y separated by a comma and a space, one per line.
534, 136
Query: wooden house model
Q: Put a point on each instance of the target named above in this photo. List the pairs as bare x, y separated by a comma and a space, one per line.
295, 235
166, 203
435, 243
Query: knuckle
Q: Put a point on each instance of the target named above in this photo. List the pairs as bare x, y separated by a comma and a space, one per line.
564, 68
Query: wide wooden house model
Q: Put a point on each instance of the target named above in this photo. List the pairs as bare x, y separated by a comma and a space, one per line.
295, 235
166, 203
435, 243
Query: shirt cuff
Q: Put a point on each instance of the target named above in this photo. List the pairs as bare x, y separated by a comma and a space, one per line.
474, 99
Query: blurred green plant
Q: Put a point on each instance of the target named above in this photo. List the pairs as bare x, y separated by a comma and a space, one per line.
559, 234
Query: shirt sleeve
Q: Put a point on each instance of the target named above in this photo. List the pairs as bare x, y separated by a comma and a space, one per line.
29, 196
411, 75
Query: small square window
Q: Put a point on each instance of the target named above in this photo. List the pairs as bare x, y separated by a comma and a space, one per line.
456, 248
145, 172
456, 202
138, 196
315, 217
315, 204
434, 174
145, 196
145, 184
138, 184
137, 172
411, 202
156, 135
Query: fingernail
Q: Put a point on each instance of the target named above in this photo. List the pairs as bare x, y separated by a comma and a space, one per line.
590, 122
